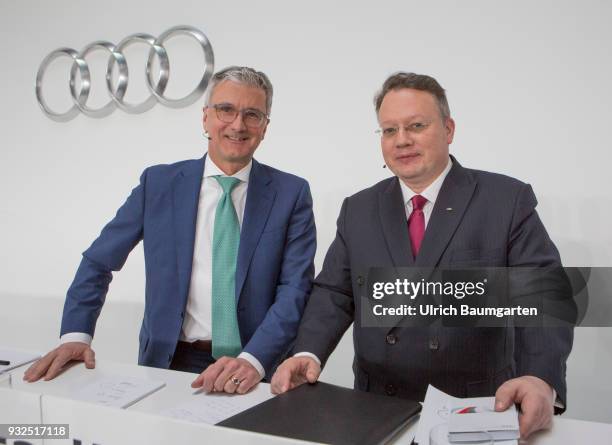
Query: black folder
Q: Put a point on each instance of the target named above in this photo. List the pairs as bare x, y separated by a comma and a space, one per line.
328, 414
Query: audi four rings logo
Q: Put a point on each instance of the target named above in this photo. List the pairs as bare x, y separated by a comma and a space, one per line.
117, 92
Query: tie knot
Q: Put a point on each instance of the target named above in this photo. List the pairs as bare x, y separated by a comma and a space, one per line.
418, 202
227, 183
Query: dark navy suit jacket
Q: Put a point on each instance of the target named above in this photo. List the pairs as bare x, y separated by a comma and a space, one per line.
493, 223
273, 276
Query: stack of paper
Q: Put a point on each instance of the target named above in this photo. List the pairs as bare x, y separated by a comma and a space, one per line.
473, 420
434, 425
214, 407
116, 391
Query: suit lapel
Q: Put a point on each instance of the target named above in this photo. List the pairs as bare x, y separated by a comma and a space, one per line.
186, 195
452, 201
455, 194
260, 197
395, 228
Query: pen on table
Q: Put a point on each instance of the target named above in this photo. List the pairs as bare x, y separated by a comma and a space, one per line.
4, 362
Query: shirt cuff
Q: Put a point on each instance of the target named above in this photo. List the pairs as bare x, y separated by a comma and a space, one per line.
557, 402
253, 361
76, 336
308, 354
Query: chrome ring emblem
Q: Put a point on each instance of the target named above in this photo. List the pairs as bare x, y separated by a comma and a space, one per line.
117, 91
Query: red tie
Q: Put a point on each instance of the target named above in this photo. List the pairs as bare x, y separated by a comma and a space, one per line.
416, 223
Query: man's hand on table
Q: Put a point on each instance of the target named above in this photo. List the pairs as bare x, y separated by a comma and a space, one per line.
294, 372
51, 364
535, 397
228, 374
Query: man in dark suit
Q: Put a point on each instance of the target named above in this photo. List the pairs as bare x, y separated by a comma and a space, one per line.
229, 246
433, 213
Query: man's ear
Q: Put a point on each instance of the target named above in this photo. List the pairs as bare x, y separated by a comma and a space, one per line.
265, 129
204, 117
450, 129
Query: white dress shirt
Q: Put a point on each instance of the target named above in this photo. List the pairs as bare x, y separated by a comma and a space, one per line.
430, 193
197, 324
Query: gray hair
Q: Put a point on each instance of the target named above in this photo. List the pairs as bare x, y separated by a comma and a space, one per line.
243, 75
421, 82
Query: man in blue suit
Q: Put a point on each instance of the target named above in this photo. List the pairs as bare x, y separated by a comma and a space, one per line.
229, 246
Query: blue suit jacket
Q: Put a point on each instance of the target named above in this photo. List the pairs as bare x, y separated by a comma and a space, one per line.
273, 276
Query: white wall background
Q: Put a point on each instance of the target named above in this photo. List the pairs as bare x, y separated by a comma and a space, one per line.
528, 84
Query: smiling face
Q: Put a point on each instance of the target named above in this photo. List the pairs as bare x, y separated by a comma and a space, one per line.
232, 144
415, 137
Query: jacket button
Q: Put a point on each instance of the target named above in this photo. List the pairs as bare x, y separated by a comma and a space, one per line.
391, 339
390, 390
434, 344
360, 280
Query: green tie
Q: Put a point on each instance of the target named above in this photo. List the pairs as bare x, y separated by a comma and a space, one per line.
226, 238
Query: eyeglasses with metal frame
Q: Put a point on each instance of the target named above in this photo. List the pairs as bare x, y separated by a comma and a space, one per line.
252, 117
391, 131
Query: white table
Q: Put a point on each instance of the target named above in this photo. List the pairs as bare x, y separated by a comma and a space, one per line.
178, 389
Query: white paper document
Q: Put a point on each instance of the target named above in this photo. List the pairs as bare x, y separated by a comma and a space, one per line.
214, 407
475, 419
13, 358
117, 391
433, 424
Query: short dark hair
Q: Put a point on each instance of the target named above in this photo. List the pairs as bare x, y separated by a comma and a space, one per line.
421, 82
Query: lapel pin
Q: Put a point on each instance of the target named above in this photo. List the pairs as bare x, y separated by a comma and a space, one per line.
449, 209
